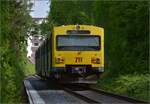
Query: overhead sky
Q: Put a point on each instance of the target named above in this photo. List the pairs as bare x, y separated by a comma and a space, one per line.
40, 8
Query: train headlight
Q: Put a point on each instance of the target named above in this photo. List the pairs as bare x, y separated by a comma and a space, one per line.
59, 60
95, 60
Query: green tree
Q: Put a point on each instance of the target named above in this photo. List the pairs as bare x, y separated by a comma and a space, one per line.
126, 33
15, 22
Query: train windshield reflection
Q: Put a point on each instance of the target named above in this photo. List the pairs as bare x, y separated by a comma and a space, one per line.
78, 42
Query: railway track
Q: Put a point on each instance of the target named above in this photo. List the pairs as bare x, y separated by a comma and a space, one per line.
49, 92
126, 98
80, 96
92, 95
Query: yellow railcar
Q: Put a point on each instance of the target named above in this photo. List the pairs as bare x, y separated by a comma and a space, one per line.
72, 52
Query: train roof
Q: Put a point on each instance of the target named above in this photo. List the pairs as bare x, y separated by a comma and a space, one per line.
81, 26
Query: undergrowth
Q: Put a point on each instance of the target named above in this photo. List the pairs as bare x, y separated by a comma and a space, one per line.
136, 85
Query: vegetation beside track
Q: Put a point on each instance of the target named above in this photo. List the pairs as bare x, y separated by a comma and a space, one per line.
132, 85
30, 68
14, 24
126, 26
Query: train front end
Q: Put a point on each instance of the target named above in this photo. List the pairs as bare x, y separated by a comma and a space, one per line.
78, 55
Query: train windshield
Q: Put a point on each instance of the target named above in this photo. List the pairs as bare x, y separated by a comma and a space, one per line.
78, 43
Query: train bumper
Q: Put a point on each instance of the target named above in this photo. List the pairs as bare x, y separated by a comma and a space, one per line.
76, 69
58, 69
99, 69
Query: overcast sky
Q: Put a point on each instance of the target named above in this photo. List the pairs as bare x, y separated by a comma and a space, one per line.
41, 8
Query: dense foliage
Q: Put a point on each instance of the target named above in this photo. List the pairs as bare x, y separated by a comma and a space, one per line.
126, 38
15, 22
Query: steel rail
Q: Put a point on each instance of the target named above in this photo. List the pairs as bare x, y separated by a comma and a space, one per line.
109, 94
30, 99
126, 98
69, 90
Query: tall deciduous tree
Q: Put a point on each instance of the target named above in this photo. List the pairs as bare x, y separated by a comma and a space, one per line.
125, 24
15, 22
126, 27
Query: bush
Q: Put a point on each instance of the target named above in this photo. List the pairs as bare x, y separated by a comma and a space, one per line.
130, 85
134, 85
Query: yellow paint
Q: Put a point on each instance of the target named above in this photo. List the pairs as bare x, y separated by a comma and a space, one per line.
70, 56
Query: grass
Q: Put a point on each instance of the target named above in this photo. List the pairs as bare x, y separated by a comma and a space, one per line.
30, 68
136, 86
